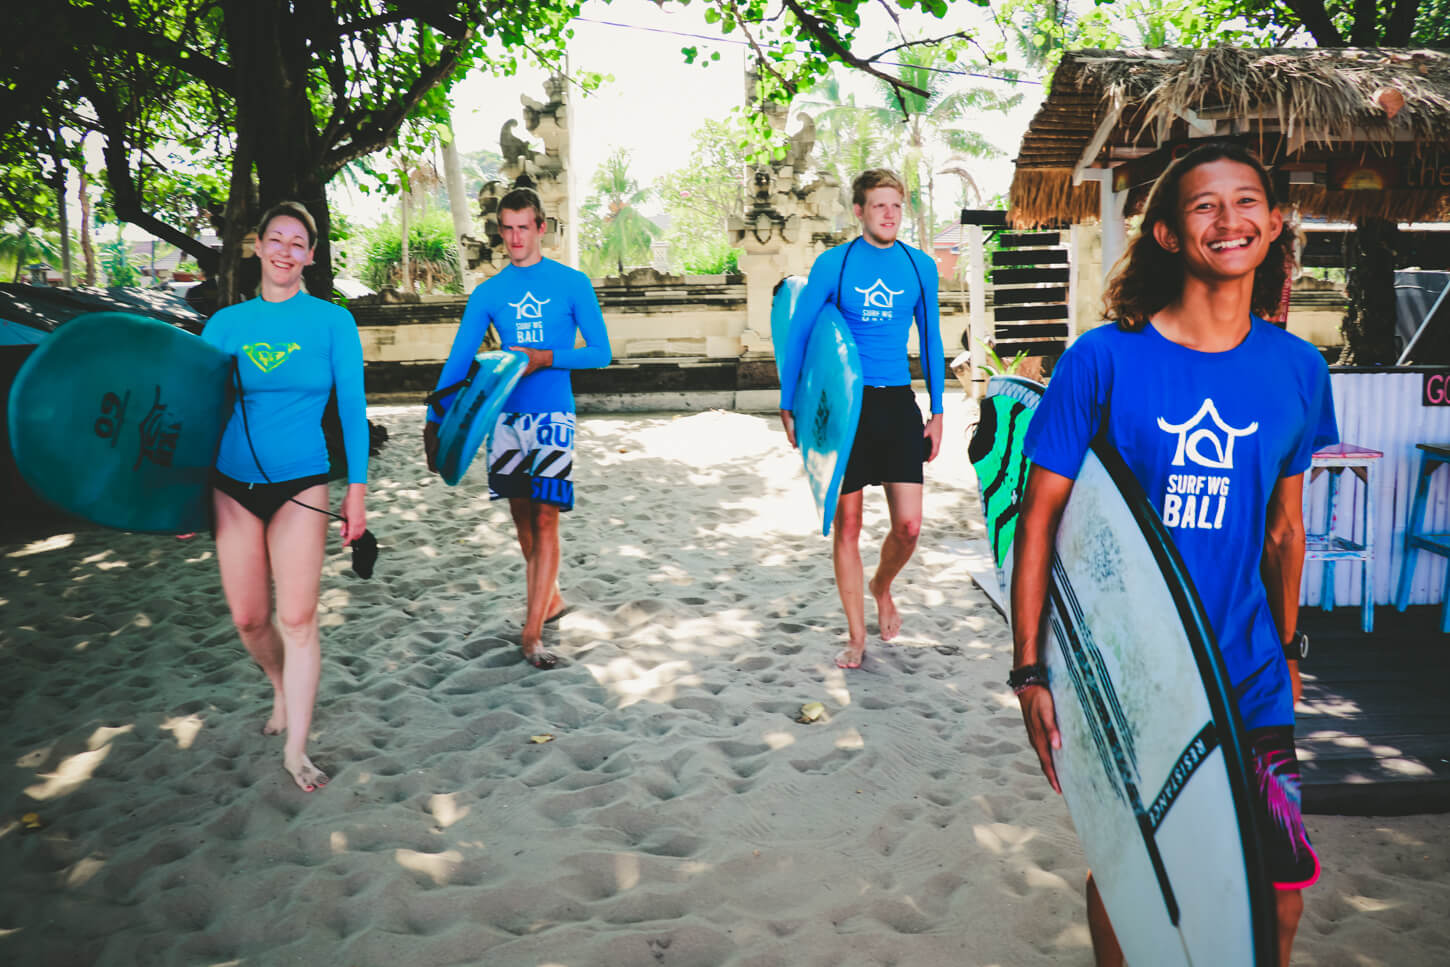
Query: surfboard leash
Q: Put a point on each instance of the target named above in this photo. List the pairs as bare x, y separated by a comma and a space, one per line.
364, 546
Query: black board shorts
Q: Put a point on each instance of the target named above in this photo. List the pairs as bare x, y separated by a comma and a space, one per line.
1274, 775
889, 446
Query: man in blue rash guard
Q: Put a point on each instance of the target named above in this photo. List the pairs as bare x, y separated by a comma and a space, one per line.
537, 306
880, 286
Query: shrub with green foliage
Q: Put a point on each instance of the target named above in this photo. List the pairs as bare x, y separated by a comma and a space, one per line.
432, 253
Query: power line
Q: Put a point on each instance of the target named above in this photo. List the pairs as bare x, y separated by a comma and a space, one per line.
741, 43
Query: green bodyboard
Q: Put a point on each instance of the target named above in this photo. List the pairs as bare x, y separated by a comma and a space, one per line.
996, 454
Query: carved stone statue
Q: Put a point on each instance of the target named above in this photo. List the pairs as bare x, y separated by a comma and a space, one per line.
786, 223
547, 171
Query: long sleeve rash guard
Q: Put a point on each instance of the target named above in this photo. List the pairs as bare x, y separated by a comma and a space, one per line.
540, 306
880, 292
290, 356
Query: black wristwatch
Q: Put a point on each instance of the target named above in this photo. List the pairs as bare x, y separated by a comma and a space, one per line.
1027, 676
1297, 647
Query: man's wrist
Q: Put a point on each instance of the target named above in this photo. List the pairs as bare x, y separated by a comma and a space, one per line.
1297, 647
1027, 676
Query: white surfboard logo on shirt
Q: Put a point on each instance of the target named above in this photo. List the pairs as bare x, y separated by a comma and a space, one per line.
529, 307
878, 296
1193, 437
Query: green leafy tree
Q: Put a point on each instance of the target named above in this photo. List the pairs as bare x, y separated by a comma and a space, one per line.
274, 97
701, 196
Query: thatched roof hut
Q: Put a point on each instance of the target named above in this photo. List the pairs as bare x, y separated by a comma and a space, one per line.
1335, 121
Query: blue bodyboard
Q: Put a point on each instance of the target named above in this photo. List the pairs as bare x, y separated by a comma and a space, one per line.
827, 397
474, 410
117, 418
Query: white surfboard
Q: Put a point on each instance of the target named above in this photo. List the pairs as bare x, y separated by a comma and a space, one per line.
1151, 763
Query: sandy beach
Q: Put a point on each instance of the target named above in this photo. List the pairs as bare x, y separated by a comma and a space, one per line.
652, 801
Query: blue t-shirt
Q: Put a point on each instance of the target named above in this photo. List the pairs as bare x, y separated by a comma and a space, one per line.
880, 292
540, 306
290, 356
1208, 435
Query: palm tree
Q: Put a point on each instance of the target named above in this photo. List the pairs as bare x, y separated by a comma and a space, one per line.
626, 233
937, 117
906, 131
849, 137
24, 243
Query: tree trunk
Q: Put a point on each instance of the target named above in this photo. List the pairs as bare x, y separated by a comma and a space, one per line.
271, 53
64, 218
88, 245
406, 201
1369, 323
457, 203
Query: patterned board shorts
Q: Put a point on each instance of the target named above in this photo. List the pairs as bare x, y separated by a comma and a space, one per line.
531, 455
1274, 774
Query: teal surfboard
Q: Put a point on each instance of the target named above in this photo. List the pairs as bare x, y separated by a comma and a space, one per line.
476, 405
782, 306
1152, 764
116, 418
827, 397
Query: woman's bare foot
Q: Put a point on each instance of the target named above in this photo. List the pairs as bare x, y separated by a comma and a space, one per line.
852, 656
307, 776
277, 723
886, 614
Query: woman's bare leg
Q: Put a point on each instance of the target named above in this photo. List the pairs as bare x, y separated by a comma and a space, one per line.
241, 548
296, 542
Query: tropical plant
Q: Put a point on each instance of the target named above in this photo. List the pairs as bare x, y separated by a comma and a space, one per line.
932, 115
22, 245
995, 366
432, 253
621, 233
116, 260
919, 123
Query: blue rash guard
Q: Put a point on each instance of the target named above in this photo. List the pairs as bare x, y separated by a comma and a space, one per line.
540, 306
879, 293
290, 356
1209, 436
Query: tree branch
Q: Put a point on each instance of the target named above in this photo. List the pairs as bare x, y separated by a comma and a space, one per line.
1316, 20
381, 126
1401, 26
832, 46
125, 198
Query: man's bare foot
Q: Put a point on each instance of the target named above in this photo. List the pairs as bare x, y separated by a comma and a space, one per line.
557, 607
277, 723
307, 776
851, 657
887, 616
539, 657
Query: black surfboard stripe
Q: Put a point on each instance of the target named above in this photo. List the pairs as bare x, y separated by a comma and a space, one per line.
1092, 695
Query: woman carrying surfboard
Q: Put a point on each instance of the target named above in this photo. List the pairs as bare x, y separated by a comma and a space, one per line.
292, 351
1216, 414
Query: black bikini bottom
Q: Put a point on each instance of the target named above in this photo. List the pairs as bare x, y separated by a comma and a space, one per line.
264, 499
